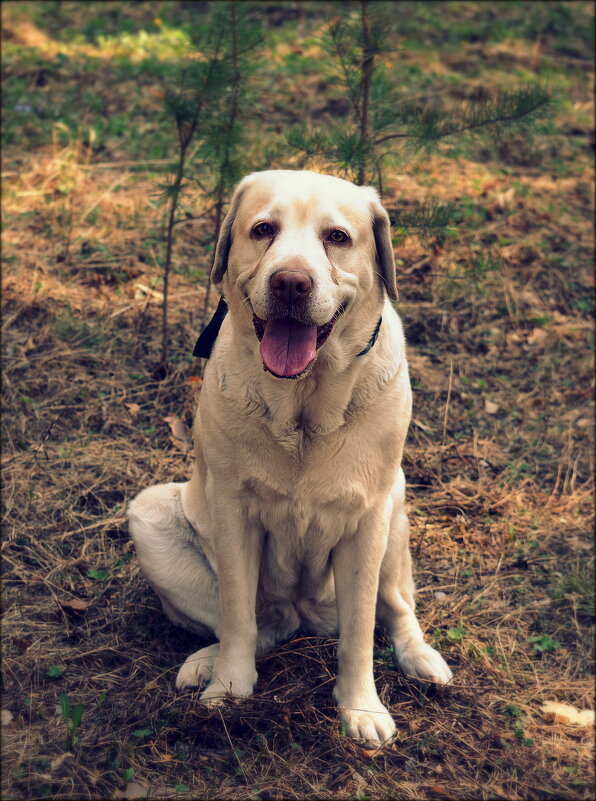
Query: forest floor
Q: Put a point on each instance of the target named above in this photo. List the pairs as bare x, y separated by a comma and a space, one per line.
499, 458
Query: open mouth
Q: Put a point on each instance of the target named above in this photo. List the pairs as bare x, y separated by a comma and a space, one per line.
288, 347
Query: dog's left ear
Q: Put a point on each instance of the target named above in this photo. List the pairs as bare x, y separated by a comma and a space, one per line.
382, 232
224, 243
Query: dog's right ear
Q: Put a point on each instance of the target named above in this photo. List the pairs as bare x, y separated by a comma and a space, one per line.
224, 243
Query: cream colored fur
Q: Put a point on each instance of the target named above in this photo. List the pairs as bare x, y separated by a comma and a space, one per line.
294, 517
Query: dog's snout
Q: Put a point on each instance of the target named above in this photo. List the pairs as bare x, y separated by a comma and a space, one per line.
291, 286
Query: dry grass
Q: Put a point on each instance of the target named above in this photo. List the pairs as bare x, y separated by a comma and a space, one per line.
499, 463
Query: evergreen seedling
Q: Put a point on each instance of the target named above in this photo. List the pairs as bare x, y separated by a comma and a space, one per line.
385, 123
207, 105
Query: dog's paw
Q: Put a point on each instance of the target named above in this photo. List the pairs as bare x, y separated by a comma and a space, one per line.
228, 684
197, 669
420, 661
368, 723
364, 718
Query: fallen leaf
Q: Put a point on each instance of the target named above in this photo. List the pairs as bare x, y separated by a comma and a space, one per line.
490, 407
75, 605
500, 736
436, 789
537, 336
555, 712
505, 200
7, 717
369, 753
134, 790
181, 435
133, 410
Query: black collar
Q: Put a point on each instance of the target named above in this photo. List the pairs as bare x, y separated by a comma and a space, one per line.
209, 334
372, 340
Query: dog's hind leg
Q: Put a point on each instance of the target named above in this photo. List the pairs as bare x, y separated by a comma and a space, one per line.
178, 570
395, 603
172, 560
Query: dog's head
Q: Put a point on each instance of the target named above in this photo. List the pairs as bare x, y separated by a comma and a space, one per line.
297, 252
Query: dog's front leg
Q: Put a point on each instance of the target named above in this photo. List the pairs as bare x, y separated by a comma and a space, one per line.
356, 564
238, 547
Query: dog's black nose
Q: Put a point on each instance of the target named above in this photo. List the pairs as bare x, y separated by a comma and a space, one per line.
291, 287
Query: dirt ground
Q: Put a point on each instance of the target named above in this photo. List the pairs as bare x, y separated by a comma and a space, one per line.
499, 459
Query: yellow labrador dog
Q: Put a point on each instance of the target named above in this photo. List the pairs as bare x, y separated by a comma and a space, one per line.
294, 516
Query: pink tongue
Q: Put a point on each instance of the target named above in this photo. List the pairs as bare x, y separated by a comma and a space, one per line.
288, 347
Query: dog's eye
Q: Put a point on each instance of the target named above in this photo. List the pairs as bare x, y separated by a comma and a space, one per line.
337, 237
263, 230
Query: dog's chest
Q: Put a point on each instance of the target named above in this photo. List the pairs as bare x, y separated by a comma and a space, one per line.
297, 544
303, 510
327, 489
303, 513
